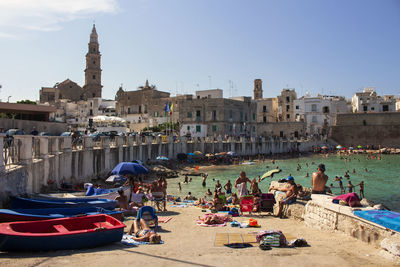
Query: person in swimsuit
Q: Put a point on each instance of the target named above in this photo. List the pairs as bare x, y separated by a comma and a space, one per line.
361, 184
350, 186
142, 232
318, 180
218, 186
228, 187
209, 193
204, 180
291, 194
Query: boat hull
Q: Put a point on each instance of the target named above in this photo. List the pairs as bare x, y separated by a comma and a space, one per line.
59, 234
112, 195
47, 214
27, 203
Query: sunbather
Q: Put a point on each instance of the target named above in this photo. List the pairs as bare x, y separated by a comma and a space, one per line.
212, 219
122, 200
143, 233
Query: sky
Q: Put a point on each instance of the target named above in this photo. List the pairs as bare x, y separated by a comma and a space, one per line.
334, 47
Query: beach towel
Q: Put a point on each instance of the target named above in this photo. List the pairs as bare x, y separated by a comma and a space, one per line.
264, 236
164, 219
351, 198
242, 189
386, 218
128, 241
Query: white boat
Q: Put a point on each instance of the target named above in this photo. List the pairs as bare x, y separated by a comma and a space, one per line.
111, 195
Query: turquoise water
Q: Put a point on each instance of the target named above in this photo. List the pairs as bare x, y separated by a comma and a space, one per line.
381, 181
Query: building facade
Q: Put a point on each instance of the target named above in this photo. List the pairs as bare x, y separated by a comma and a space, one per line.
369, 101
285, 105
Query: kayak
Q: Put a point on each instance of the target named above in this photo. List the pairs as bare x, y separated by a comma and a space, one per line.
64, 233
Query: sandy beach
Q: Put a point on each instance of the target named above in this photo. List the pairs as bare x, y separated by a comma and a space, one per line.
187, 244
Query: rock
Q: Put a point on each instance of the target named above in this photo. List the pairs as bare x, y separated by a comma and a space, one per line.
392, 245
380, 207
159, 169
367, 203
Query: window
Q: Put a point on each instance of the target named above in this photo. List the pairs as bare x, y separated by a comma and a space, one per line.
314, 118
264, 119
91, 112
372, 108
188, 128
198, 113
287, 107
365, 108
287, 116
296, 134
281, 133
325, 109
287, 99
297, 107
245, 117
264, 108
241, 115
94, 61
189, 114
129, 110
198, 128
385, 108
93, 95
314, 107
230, 128
140, 109
214, 128
230, 114
94, 77
254, 116
214, 115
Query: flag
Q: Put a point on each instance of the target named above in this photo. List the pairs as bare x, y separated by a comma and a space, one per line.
172, 107
166, 108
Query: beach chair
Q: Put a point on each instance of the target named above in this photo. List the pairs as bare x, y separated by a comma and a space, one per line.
246, 204
151, 220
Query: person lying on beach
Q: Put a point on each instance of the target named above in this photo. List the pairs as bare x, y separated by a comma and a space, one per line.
190, 197
143, 233
214, 219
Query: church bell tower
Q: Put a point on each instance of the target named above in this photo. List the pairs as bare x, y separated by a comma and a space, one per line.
92, 87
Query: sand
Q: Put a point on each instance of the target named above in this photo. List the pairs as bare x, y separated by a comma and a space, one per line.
187, 244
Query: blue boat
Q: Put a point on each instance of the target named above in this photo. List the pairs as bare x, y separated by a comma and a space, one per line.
7, 215
32, 203
64, 233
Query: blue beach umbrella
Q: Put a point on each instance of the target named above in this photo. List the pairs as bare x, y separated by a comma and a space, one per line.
129, 168
191, 154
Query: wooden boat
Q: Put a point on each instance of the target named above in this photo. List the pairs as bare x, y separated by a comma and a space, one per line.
71, 195
32, 203
65, 233
55, 213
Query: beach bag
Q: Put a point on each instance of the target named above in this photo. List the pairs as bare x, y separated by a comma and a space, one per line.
275, 234
273, 240
234, 212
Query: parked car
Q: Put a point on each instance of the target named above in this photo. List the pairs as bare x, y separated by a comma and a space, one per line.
12, 132
46, 134
66, 134
97, 136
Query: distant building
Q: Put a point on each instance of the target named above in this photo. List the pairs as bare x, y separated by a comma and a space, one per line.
369, 101
285, 105
258, 91
319, 112
217, 116
267, 110
212, 93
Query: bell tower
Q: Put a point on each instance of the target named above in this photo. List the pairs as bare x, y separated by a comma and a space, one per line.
258, 92
92, 87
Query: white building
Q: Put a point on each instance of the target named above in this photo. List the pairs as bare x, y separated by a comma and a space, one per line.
369, 101
319, 112
193, 130
212, 93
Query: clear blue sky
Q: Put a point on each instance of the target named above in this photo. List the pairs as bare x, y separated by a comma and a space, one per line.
331, 47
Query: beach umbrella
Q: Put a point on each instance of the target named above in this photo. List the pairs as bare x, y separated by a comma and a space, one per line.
209, 155
223, 153
116, 178
198, 153
162, 158
324, 147
191, 154
137, 161
270, 173
129, 168
339, 147
359, 146
350, 148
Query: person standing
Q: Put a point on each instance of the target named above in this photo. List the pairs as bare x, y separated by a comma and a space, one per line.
241, 184
318, 180
361, 184
350, 186
228, 187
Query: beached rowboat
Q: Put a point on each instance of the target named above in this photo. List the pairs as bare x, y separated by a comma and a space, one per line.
112, 194
32, 203
7, 215
56, 234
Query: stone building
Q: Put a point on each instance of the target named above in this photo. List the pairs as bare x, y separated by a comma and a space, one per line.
267, 110
258, 91
218, 116
285, 105
319, 113
369, 101
212, 93
71, 91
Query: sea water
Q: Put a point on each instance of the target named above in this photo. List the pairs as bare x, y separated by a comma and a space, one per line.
381, 180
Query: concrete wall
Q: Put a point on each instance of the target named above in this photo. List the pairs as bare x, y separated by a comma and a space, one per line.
367, 129
53, 159
42, 126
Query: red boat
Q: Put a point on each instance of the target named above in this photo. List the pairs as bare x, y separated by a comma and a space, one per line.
64, 233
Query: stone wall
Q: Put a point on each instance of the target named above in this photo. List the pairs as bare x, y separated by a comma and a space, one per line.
367, 129
287, 128
42, 126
